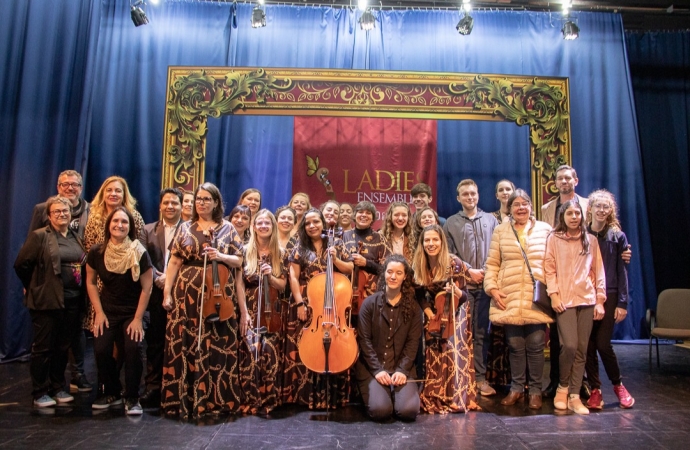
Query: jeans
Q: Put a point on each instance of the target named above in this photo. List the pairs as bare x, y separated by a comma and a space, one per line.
600, 341
108, 372
526, 346
479, 313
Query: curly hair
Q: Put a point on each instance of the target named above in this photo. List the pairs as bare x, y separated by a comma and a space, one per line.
407, 298
612, 219
388, 226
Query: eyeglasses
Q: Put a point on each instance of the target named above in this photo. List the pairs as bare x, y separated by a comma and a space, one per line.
60, 212
520, 205
69, 185
202, 200
602, 207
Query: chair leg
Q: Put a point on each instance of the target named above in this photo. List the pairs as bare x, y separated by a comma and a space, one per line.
650, 353
658, 364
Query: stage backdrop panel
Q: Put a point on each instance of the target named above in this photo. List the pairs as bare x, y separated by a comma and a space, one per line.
350, 159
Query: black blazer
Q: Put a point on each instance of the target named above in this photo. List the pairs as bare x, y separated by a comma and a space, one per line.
154, 242
38, 267
372, 334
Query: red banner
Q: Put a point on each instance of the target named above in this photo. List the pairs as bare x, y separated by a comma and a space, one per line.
355, 159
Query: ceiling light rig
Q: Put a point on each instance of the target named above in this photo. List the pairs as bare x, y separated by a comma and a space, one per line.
138, 14
367, 21
570, 29
466, 24
258, 16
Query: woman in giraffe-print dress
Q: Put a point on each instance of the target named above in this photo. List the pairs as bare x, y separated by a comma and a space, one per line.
308, 258
201, 379
449, 366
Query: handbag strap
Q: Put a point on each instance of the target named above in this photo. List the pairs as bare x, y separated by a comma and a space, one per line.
524, 255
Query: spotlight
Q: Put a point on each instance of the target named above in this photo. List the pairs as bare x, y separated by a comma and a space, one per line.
570, 30
362, 5
258, 17
367, 21
465, 25
138, 15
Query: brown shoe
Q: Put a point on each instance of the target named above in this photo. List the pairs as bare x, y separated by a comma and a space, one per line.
512, 398
535, 401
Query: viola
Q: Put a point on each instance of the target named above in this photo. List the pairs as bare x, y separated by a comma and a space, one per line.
268, 307
217, 305
442, 324
329, 344
359, 284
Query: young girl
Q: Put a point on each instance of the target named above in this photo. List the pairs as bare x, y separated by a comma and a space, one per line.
603, 224
575, 282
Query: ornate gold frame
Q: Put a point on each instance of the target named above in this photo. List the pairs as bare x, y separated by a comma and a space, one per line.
195, 93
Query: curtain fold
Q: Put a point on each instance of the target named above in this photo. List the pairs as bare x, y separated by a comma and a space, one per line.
85, 89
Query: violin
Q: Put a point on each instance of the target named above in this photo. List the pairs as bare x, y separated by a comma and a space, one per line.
268, 306
445, 305
329, 344
359, 284
217, 305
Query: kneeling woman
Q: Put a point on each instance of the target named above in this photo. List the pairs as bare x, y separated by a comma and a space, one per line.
390, 325
450, 384
124, 268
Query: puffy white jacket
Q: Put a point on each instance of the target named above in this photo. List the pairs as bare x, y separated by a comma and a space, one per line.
506, 270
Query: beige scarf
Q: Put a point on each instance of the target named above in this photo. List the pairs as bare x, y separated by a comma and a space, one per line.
120, 257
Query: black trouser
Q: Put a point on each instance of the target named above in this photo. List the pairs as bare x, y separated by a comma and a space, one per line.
108, 372
600, 341
54, 330
479, 304
554, 351
155, 343
382, 401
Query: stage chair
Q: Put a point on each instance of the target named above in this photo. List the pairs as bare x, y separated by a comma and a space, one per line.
671, 320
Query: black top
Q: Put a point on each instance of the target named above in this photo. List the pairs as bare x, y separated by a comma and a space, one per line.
72, 259
120, 293
612, 244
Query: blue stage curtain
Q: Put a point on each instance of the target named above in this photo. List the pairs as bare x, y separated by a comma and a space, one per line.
660, 70
87, 91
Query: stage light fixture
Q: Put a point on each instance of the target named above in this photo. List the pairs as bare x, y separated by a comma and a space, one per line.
465, 25
138, 15
258, 17
362, 4
367, 21
466, 6
570, 30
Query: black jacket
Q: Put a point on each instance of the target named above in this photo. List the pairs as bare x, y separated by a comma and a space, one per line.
38, 267
372, 334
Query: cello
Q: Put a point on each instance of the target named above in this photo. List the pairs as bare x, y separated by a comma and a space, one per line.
217, 305
268, 305
329, 344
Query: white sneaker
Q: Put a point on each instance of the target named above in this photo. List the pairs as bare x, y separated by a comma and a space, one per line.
63, 397
44, 401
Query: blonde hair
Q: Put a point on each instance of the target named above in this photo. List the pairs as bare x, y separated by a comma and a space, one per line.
251, 254
612, 219
98, 207
423, 272
301, 194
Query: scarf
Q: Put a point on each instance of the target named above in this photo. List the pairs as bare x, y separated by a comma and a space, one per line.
119, 258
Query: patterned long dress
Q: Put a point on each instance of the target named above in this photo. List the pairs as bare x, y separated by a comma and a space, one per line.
197, 381
262, 377
442, 393
300, 385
